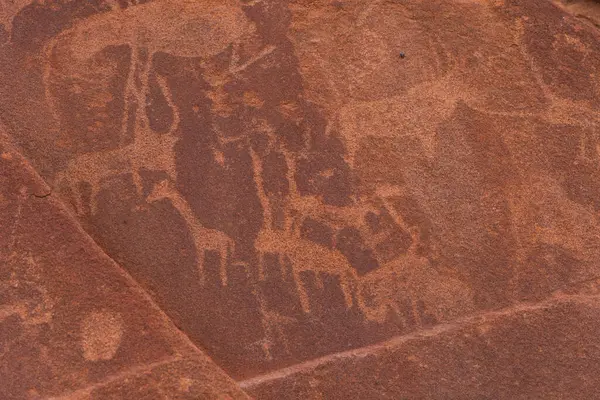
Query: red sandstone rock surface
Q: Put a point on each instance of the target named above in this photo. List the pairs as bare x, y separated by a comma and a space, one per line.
231, 199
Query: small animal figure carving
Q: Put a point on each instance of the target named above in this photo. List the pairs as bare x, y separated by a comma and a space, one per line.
204, 238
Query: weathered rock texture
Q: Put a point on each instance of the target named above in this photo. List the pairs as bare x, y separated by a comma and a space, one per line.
73, 325
268, 186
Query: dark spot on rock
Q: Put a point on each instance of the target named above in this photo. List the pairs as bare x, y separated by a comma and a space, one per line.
350, 243
396, 244
317, 232
274, 174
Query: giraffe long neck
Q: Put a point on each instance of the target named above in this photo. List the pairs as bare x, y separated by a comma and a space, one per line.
141, 61
182, 207
293, 195
262, 196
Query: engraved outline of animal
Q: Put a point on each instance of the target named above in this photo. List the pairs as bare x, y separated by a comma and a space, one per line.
303, 254
311, 206
350, 216
204, 238
98, 167
153, 26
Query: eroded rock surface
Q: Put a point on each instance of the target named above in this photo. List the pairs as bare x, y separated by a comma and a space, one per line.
285, 186
73, 325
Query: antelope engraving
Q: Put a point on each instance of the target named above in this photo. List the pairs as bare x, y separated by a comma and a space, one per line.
303, 254
180, 28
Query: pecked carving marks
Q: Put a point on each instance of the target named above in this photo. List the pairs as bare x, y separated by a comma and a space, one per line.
567, 54
352, 54
89, 103
583, 9
181, 27
38, 22
572, 156
204, 239
76, 78
245, 163
147, 30
294, 182
101, 334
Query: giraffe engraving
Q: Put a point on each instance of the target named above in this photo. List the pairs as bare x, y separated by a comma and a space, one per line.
303, 254
204, 238
146, 29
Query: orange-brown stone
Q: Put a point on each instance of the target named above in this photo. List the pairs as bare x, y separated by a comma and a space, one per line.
299, 199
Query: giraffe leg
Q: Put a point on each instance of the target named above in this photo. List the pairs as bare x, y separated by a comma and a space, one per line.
137, 180
281, 260
261, 268
346, 291
200, 261
223, 264
304, 303
77, 198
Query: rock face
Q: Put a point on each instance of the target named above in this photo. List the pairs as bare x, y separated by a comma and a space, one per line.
73, 325
331, 199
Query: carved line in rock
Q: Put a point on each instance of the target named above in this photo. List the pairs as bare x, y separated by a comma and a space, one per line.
124, 375
303, 254
438, 96
154, 27
306, 255
204, 238
561, 110
311, 366
155, 152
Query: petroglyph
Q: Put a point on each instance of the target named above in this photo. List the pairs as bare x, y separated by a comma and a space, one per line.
16, 220
363, 193
583, 9
183, 28
384, 193
345, 59
36, 308
151, 151
204, 238
303, 254
561, 110
415, 114
235, 69
410, 280
377, 284
8, 10
307, 256
147, 29
273, 325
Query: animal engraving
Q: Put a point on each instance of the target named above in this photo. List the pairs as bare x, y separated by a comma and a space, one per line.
303, 254
207, 28
204, 238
